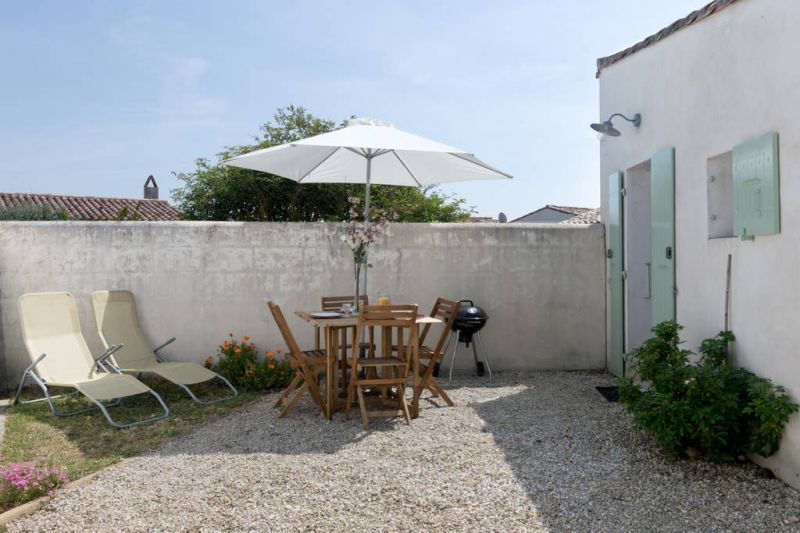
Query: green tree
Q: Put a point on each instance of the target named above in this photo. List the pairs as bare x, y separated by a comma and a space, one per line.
217, 192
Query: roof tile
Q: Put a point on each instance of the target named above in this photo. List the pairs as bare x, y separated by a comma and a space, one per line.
92, 207
696, 16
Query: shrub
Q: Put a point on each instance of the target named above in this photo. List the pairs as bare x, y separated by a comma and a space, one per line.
712, 407
238, 361
23, 482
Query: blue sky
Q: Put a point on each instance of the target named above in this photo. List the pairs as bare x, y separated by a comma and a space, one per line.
97, 95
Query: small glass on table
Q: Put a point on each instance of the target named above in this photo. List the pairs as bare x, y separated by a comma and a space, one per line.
384, 299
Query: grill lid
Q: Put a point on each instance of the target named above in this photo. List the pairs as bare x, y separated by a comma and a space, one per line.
470, 312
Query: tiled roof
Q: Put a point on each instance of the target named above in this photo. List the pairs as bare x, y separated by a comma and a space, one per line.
696, 16
478, 220
91, 207
587, 216
579, 215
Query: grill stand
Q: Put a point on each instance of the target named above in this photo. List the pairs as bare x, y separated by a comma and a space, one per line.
478, 364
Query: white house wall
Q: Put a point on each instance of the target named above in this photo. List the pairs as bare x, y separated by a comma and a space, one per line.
713, 85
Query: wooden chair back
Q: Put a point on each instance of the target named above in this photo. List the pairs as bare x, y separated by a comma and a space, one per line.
446, 311
334, 303
401, 319
286, 333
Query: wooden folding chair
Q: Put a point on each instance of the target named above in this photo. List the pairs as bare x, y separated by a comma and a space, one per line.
334, 303
307, 366
346, 336
391, 371
445, 310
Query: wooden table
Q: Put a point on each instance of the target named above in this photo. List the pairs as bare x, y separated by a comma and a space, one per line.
331, 328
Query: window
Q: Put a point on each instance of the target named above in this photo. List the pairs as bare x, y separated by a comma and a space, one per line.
743, 190
720, 196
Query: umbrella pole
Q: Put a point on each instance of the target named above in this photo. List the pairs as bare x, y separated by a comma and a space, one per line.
366, 212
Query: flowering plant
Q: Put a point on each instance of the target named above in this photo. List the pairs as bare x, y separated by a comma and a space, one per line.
23, 482
357, 237
239, 361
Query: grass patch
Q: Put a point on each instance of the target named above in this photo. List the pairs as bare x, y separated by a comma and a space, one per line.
85, 443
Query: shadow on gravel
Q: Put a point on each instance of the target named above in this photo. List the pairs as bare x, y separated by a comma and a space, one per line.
586, 468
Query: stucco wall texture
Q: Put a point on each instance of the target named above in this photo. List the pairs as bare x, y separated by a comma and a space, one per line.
541, 285
703, 90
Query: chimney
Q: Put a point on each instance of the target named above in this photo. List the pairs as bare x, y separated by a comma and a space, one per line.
502, 218
150, 189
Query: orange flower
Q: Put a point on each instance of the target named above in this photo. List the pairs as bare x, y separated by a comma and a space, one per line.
270, 355
279, 350
225, 345
271, 367
251, 372
238, 350
208, 361
246, 338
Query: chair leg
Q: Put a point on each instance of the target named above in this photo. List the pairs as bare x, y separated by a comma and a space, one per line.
288, 390
289, 406
435, 386
349, 401
363, 405
313, 388
403, 405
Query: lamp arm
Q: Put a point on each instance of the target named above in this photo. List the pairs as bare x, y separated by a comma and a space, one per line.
636, 120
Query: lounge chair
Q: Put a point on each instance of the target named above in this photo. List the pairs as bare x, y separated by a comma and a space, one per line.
61, 358
117, 322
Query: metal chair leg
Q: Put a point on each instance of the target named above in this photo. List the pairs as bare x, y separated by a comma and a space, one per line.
485, 359
453, 361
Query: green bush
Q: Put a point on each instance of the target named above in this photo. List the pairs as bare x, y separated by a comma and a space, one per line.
31, 212
711, 407
238, 361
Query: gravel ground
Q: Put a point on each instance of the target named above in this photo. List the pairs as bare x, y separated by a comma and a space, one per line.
530, 452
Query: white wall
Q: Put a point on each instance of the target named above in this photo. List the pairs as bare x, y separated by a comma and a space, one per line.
541, 285
709, 87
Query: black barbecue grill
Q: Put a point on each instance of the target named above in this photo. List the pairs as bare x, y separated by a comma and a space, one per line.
469, 321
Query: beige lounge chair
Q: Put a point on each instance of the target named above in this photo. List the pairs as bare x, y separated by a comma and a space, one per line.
117, 322
61, 358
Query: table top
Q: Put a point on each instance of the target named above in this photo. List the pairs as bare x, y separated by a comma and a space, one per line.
349, 321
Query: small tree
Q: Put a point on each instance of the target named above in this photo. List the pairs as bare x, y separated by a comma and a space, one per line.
217, 192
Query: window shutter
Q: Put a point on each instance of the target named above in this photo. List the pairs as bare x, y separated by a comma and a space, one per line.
756, 191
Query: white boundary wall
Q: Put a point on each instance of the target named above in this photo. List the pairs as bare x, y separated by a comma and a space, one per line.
543, 286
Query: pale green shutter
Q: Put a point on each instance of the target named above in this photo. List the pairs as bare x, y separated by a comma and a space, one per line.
615, 281
756, 190
662, 235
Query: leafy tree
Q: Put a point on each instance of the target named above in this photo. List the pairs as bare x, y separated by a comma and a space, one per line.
217, 192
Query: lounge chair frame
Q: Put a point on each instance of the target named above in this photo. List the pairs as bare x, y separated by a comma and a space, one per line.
160, 359
100, 363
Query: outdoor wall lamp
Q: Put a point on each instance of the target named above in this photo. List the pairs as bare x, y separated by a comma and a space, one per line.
608, 128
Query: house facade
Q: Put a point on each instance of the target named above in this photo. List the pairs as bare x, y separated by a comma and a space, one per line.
711, 172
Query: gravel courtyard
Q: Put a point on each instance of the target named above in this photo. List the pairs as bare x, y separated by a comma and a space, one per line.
528, 452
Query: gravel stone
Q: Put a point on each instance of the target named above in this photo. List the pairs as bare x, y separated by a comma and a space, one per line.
528, 452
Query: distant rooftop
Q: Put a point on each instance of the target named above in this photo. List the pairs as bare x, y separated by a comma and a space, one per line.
92, 207
696, 16
564, 215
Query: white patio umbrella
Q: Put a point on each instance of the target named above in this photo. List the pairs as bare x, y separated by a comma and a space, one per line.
368, 151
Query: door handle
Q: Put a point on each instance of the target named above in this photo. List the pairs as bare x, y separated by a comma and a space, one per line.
649, 281
669, 252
